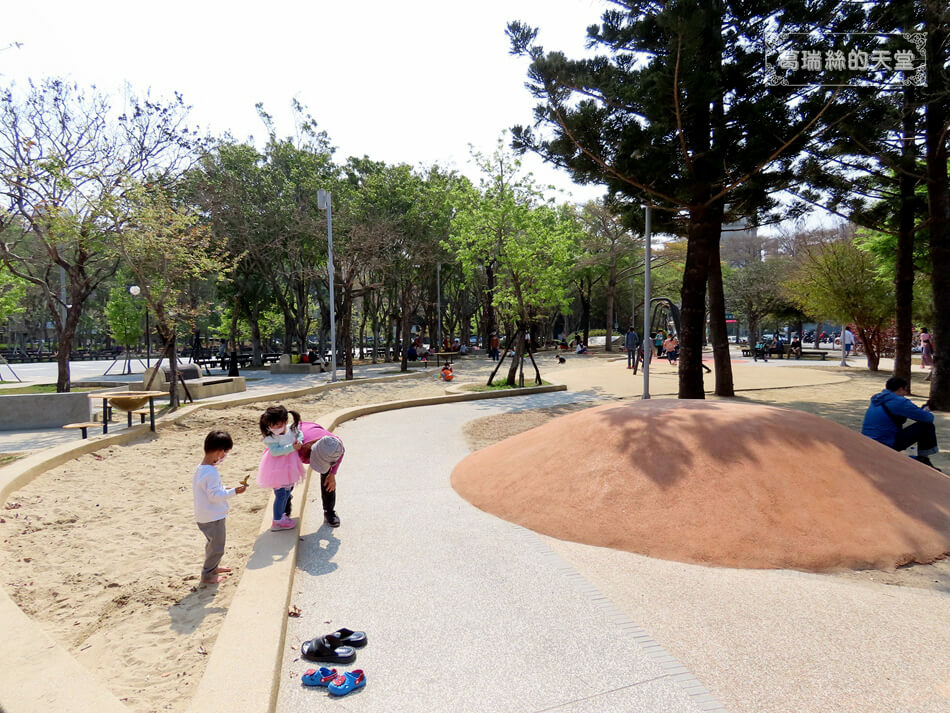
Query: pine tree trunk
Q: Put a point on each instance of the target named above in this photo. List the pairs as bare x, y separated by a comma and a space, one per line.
938, 36
703, 230
904, 275
717, 324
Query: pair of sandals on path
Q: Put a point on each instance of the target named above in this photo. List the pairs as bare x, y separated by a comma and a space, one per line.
338, 647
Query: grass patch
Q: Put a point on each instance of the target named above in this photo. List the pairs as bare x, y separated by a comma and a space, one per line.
502, 386
43, 389
6, 458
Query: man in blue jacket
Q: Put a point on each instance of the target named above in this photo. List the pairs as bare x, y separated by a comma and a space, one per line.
885, 417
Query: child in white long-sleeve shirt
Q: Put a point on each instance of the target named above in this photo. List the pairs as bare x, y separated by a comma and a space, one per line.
211, 503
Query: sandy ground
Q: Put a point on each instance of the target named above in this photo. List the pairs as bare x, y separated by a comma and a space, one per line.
104, 553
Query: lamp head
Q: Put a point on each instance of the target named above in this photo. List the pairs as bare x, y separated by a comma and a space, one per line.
135, 290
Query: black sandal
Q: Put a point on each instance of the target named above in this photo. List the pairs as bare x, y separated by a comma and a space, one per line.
327, 648
350, 637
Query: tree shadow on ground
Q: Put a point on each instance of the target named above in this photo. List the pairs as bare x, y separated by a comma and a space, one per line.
649, 432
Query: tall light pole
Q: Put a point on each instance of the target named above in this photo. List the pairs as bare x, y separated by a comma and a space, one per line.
324, 203
647, 348
438, 306
135, 291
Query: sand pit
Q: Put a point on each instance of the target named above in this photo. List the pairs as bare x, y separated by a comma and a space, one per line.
719, 483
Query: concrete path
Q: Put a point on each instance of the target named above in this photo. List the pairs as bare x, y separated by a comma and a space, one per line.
464, 612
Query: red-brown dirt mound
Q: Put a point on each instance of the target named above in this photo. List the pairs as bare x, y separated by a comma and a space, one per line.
718, 483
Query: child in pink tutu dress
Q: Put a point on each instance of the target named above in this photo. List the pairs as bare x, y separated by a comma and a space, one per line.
280, 467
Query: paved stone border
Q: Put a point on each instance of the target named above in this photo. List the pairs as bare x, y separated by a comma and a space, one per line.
672, 667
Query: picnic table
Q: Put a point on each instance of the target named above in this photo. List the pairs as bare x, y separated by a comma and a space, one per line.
447, 357
127, 401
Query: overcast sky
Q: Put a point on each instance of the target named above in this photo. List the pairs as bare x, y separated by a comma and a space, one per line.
413, 82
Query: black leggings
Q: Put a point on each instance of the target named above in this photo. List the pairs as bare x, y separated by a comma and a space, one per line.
329, 498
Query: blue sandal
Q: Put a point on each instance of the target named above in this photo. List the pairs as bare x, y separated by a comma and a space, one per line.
349, 681
322, 676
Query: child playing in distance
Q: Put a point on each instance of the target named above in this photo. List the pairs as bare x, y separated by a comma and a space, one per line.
446, 373
211, 503
280, 467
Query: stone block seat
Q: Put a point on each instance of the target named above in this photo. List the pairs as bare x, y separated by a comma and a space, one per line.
195, 385
284, 366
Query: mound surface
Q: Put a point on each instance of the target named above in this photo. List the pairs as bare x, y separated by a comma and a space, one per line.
729, 484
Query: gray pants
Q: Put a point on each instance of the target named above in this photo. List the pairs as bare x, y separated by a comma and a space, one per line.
214, 550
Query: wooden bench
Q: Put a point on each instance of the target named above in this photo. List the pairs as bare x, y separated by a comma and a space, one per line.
85, 426
809, 353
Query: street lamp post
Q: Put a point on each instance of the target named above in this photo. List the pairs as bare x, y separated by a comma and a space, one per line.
647, 348
135, 291
438, 306
324, 202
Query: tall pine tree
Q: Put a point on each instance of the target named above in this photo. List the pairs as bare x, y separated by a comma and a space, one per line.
675, 111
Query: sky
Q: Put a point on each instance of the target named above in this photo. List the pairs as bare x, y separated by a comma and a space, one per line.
411, 82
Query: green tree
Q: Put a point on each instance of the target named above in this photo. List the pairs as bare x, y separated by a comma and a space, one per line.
611, 248
12, 292
531, 243
124, 315
839, 279
755, 291
64, 160
166, 249
226, 186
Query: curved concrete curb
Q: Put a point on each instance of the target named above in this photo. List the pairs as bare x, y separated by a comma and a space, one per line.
254, 629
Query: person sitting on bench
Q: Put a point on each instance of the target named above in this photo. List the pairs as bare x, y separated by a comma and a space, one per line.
889, 410
795, 348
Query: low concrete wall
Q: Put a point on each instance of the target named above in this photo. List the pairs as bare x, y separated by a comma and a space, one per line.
20, 412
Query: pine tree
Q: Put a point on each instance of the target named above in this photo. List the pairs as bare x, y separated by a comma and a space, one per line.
676, 112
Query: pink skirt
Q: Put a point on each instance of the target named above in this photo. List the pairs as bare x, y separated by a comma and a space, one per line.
280, 471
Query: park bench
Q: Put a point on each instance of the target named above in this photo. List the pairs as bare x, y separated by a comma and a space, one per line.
243, 360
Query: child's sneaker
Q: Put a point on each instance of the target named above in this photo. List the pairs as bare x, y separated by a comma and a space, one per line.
285, 523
